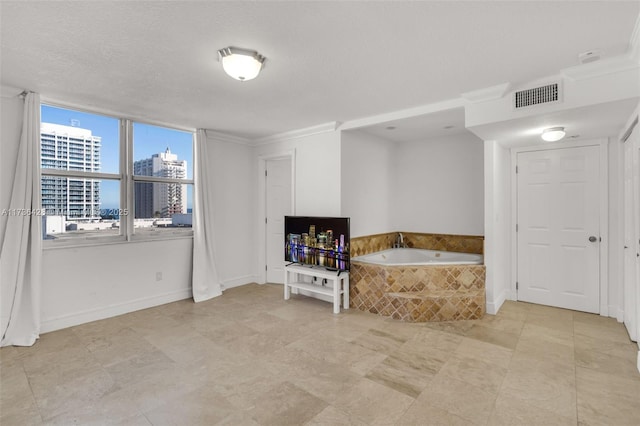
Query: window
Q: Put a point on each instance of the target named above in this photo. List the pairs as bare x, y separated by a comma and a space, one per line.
91, 191
163, 178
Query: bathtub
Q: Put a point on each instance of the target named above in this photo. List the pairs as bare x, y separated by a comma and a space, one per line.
417, 285
409, 256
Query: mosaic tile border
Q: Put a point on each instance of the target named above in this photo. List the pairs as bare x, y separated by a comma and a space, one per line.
445, 242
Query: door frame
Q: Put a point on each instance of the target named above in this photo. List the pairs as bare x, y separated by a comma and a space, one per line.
633, 313
262, 204
604, 211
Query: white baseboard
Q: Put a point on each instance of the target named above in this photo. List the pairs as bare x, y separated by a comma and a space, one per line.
238, 281
113, 310
613, 311
494, 306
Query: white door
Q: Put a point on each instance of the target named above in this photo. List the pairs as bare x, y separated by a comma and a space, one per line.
278, 205
631, 233
558, 217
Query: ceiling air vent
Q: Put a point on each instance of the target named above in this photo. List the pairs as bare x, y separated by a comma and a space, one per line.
537, 95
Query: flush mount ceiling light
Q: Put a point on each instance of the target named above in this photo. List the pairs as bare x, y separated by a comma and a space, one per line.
241, 64
553, 134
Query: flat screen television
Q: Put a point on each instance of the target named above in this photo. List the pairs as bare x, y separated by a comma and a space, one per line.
317, 241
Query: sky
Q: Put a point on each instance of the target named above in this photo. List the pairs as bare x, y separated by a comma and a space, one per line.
147, 140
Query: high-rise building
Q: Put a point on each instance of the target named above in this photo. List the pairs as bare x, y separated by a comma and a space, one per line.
70, 148
160, 199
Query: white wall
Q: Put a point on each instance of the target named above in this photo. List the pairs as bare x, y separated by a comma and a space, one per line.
438, 186
316, 181
235, 205
87, 283
317, 175
84, 284
317, 171
497, 224
432, 186
367, 179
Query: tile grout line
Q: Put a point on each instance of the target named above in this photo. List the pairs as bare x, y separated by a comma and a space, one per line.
505, 376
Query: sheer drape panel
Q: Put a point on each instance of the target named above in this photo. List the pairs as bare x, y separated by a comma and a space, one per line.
206, 283
21, 248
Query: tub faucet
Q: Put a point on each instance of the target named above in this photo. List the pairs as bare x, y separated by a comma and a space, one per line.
399, 241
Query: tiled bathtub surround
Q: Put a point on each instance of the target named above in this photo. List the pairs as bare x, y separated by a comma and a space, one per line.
445, 242
371, 243
419, 293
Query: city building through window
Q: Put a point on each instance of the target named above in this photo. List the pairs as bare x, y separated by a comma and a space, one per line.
163, 178
91, 193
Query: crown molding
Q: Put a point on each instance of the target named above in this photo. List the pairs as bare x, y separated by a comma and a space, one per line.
487, 94
602, 67
404, 113
294, 134
226, 137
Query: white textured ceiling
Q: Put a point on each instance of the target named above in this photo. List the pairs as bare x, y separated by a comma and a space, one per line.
327, 61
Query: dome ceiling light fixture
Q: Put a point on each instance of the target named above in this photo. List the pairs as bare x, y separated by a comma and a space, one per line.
241, 64
553, 134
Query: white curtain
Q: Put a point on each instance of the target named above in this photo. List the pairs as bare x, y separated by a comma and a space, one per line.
206, 283
21, 247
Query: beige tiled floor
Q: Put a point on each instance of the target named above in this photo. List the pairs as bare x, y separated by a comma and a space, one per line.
250, 358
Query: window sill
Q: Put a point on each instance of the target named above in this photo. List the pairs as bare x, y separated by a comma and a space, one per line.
106, 241
161, 236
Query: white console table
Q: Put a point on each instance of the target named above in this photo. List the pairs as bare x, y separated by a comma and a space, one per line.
340, 280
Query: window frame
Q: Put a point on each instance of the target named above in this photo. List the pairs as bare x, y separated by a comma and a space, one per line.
127, 181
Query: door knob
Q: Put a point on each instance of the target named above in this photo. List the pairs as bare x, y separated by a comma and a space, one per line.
593, 239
